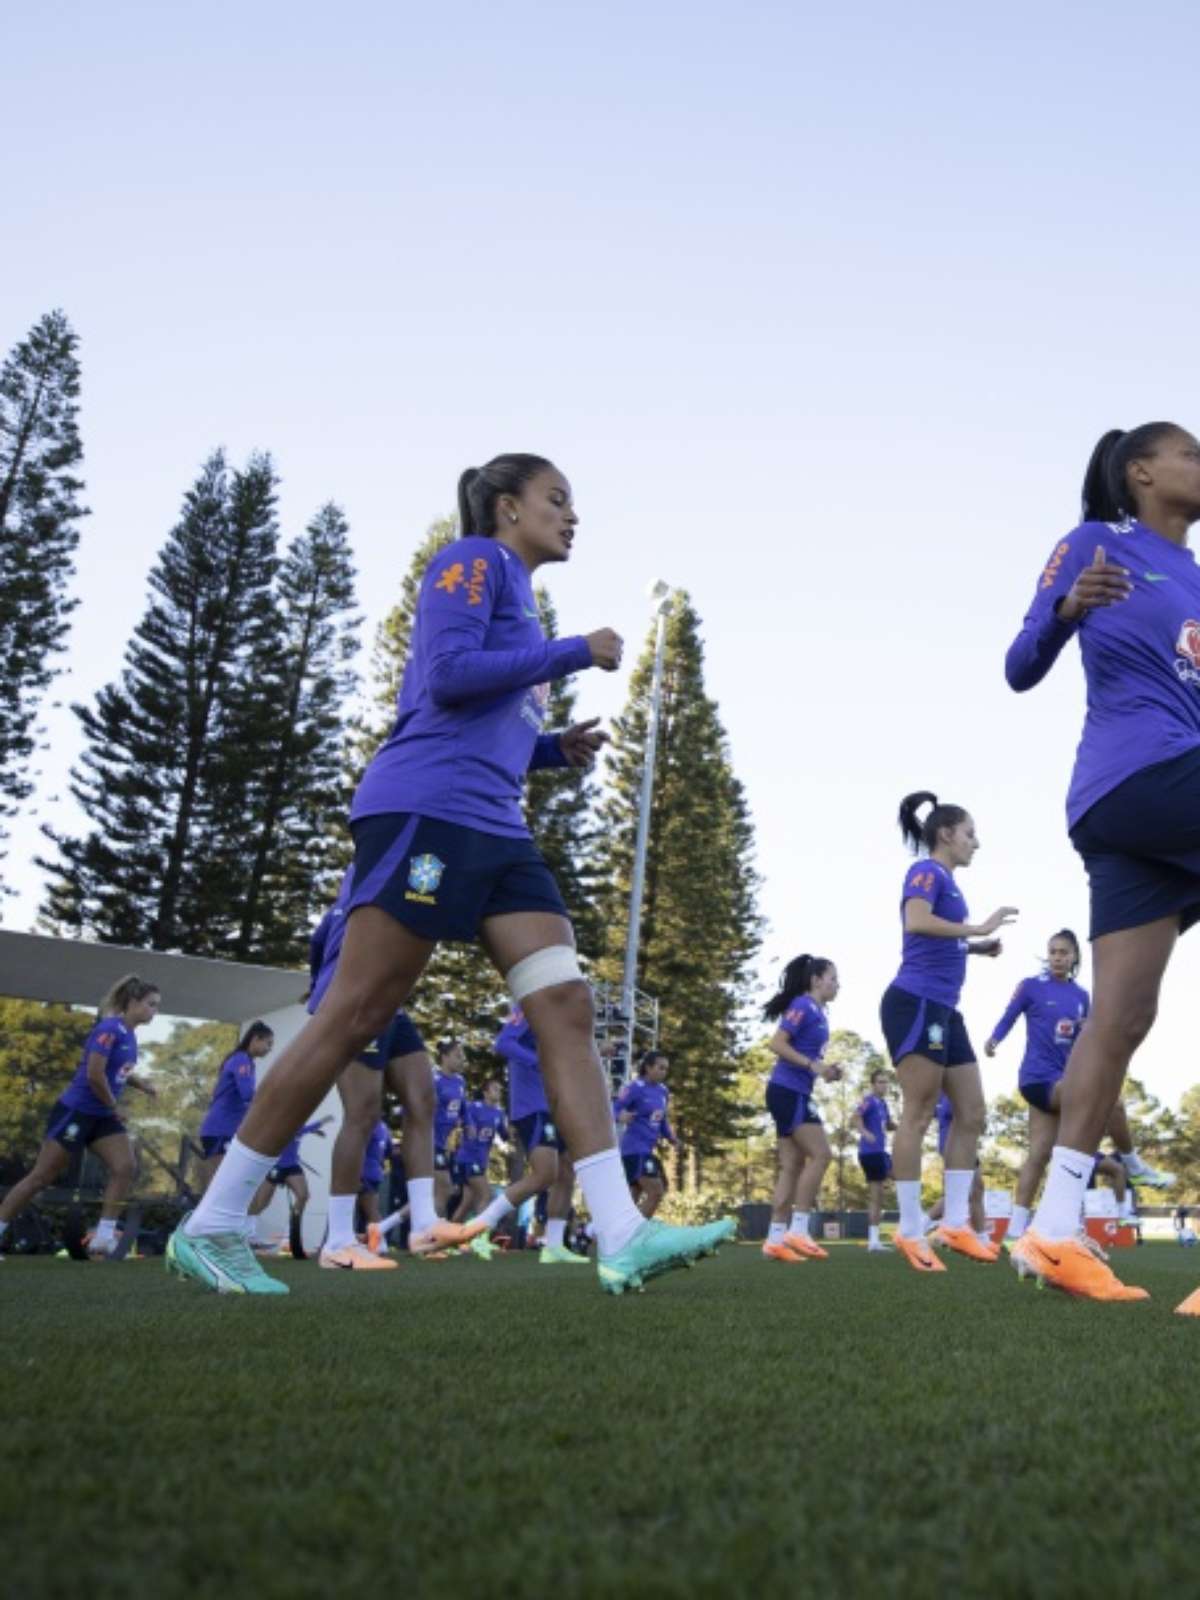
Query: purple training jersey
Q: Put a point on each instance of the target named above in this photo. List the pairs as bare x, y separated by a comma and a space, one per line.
1054, 1010
111, 1039
473, 696
1141, 657
379, 1148
933, 969
516, 1043
648, 1102
875, 1118
231, 1097
807, 1029
450, 1089
289, 1156
482, 1124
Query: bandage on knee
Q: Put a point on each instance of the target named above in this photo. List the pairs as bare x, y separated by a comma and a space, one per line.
557, 963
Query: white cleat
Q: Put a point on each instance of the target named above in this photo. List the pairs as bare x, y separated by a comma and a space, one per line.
880, 1249
1151, 1178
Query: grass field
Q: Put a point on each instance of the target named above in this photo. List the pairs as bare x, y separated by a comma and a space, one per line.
844, 1428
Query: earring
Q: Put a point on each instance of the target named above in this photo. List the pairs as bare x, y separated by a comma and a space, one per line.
512, 516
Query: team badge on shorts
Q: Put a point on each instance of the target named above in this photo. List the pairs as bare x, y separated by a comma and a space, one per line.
937, 1036
424, 876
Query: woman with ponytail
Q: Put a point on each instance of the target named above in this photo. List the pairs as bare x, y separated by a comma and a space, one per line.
808, 985
1125, 582
232, 1094
86, 1116
925, 1031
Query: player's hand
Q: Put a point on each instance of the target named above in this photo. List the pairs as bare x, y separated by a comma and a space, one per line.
606, 646
582, 742
989, 1048
987, 947
832, 1074
1101, 584
998, 919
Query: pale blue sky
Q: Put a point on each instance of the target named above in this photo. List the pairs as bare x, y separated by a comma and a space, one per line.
820, 308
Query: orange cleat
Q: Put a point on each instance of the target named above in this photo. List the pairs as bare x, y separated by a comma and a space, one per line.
805, 1247
1069, 1265
444, 1236
357, 1258
918, 1254
1189, 1307
376, 1243
965, 1242
780, 1252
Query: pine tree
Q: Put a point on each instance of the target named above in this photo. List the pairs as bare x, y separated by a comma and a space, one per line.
285, 839
700, 925
150, 780
39, 510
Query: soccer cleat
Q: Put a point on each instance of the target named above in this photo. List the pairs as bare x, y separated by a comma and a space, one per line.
443, 1236
879, 1249
1189, 1307
482, 1247
223, 1262
804, 1246
557, 1255
918, 1254
780, 1252
356, 1258
656, 1247
966, 1242
376, 1243
1150, 1178
1069, 1265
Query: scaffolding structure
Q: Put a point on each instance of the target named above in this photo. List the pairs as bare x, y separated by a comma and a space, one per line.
624, 1035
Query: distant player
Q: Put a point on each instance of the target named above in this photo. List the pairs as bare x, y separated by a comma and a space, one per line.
925, 1031
288, 1172
944, 1114
86, 1115
808, 985
232, 1094
379, 1148
873, 1122
642, 1115
450, 1089
483, 1125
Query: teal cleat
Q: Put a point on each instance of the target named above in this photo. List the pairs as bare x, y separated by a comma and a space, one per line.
482, 1246
557, 1255
656, 1248
220, 1261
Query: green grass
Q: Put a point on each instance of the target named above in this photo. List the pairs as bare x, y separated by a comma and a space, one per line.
462, 1429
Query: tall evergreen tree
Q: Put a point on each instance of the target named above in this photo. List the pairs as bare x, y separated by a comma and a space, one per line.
284, 826
150, 780
700, 925
39, 509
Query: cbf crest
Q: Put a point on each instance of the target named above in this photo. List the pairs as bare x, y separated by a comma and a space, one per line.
425, 874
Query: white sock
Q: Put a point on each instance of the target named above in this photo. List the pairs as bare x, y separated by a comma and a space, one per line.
799, 1224
388, 1223
776, 1232
1062, 1199
556, 1232
617, 1219
340, 1235
958, 1197
590, 1230
227, 1198
106, 1231
872, 1233
1133, 1162
1019, 1222
908, 1195
984, 1237
422, 1214
500, 1208
1126, 1206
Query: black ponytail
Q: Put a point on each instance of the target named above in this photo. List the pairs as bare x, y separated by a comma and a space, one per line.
480, 487
798, 978
1107, 496
256, 1030
923, 835
1066, 933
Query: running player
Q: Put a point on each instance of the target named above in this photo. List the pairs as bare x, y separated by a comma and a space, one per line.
443, 851
483, 1124
642, 1113
925, 1032
450, 1088
808, 985
873, 1122
1055, 1006
1132, 807
232, 1094
289, 1171
86, 1115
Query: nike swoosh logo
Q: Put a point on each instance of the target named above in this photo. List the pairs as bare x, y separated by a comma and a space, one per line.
1071, 1173
536, 618
1055, 1261
1155, 577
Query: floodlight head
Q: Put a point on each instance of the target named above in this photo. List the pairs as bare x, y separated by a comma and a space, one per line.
658, 590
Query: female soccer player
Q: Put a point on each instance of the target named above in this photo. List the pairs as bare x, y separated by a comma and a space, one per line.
925, 1032
873, 1122
483, 1123
1055, 1007
450, 1089
808, 985
642, 1113
944, 1115
289, 1171
86, 1115
443, 851
1127, 584
232, 1094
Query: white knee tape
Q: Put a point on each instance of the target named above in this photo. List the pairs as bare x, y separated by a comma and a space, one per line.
557, 963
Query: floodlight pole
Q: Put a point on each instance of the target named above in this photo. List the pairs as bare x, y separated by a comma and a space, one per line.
660, 596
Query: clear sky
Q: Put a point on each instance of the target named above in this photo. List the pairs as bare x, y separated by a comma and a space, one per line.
820, 308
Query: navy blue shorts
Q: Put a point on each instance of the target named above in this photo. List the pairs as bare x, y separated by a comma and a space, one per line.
537, 1131
369, 1185
790, 1109
638, 1167
75, 1129
282, 1174
441, 1160
442, 880
466, 1170
913, 1026
400, 1038
1038, 1095
215, 1144
1141, 847
876, 1165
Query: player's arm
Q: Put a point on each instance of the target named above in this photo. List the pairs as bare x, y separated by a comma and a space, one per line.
1078, 578
1018, 1004
97, 1078
919, 917
142, 1084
